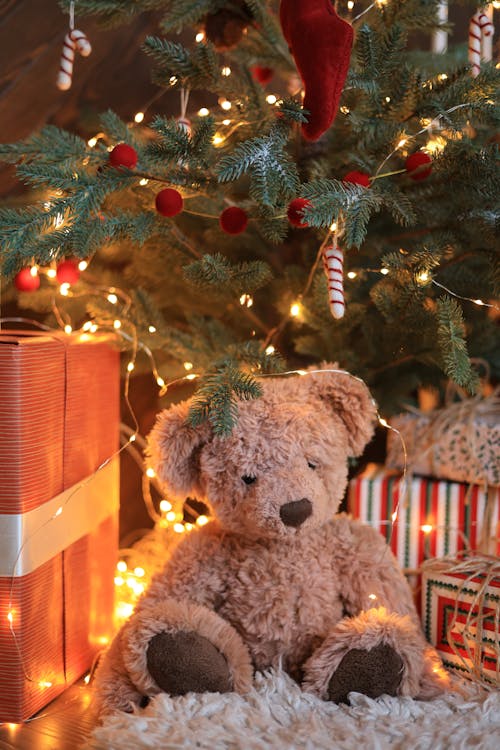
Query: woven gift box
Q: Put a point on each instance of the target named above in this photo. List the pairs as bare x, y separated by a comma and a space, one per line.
460, 442
59, 425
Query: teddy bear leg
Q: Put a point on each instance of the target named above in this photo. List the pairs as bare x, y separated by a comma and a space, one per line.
179, 647
112, 689
374, 653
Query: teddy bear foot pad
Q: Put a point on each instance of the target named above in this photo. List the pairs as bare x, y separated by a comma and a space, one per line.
184, 662
373, 673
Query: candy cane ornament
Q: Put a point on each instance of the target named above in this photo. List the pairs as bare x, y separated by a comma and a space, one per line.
333, 264
480, 27
73, 39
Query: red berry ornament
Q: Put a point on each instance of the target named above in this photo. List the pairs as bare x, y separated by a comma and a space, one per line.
169, 202
416, 160
294, 212
67, 272
123, 155
358, 178
233, 220
25, 281
261, 75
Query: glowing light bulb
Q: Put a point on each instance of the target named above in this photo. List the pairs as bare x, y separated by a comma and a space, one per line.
345, 110
382, 421
150, 473
44, 684
117, 324
87, 326
151, 329
218, 139
426, 528
226, 122
203, 112
160, 381
295, 310
188, 526
92, 142
143, 182
165, 506
139, 117
351, 274
130, 367
64, 289
226, 70
179, 528
333, 227
132, 438
172, 80
478, 302
192, 376
34, 270
86, 679
270, 349
226, 105
423, 277
10, 617
350, 5
68, 329
118, 581
124, 610
271, 99
387, 99
139, 572
112, 298
372, 597
402, 142
82, 265
170, 516
443, 77
201, 520
51, 273
200, 36
188, 365
121, 566
384, 271
301, 372
246, 300
93, 328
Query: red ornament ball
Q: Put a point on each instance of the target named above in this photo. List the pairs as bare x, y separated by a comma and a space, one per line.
294, 212
358, 178
418, 159
24, 281
169, 202
233, 220
123, 155
67, 272
261, 75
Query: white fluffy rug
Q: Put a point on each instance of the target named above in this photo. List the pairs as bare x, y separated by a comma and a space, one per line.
278, 715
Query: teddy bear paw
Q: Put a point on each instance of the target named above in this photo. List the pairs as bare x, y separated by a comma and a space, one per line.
183, 662
375, 672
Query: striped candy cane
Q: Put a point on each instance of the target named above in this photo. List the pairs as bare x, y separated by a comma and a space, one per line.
73, 39
480, 26
333, 262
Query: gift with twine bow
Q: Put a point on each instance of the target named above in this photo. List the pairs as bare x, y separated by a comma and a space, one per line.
460, 442
461, 614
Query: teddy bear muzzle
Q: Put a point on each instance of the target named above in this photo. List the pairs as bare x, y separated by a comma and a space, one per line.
296, 512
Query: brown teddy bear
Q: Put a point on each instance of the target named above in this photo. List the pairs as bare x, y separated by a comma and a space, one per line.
276, 579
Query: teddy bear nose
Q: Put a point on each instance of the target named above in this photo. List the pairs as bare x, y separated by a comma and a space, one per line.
296, 512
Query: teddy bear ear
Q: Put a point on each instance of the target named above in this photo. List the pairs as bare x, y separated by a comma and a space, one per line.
173, 447
349, 398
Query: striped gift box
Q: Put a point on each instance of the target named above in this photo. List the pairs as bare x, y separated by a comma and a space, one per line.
460, 619
59, 422
435, 518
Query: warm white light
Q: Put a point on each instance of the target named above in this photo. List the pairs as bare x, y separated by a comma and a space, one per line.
172, 80
246, 300
372, 596
44, 684
58, 511
188, 365
124, 610
119, 581
93, 328
387, 99
201, 520
64, 289
402, 142
218, 139
117, 324
426, 528
150, 473
443, 77
203, 112
226, 105
345, 110
139, 117
478, 302
271, 99
295, 310
68, 328
191, 377
130, 366
350, 5
384, 271
152, 329
351, 274
423, 276
10, 617
160, 381
58, 220
394, 516
52, 273
188, 526
270, 349
333, 227
121, 566
226, 70
383, 422
34, 270
179, 528
200, 36
226, 122
132, 438
170, 516
92, 142
112, 298
143, 182
165, 506
139, 572
86, 679
82, 265
301, 372
87, 326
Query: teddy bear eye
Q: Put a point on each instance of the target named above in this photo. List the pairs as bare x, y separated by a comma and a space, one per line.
248, 479
311, 465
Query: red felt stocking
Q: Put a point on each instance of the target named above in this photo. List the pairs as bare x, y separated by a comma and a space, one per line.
321, 44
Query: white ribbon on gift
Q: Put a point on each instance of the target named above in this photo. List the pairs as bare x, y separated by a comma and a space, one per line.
28, 540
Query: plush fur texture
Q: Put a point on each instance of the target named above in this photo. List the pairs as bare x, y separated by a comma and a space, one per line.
266, 593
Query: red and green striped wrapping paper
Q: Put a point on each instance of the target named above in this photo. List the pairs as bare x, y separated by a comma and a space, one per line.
462, 516
59, 421
447, 601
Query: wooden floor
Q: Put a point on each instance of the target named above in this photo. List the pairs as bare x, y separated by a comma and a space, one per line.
62, 725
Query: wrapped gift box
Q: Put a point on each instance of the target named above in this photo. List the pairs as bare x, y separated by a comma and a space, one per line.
59, 426
460, 618
435, 518
460, 442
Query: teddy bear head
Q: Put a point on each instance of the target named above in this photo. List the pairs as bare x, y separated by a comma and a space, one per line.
283, 469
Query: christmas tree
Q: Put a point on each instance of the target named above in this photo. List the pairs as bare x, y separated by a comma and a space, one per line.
204, 236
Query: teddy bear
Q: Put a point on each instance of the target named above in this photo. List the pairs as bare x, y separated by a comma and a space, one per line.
275, 579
